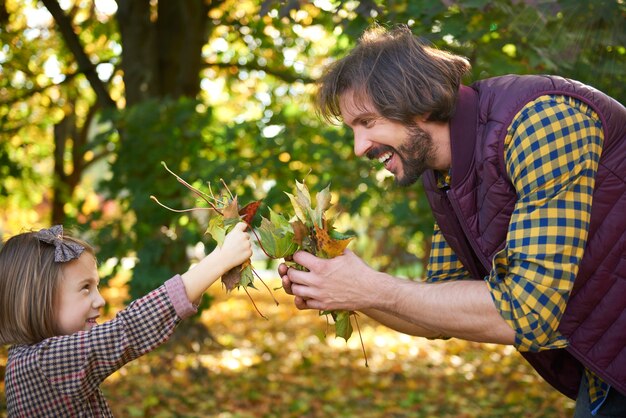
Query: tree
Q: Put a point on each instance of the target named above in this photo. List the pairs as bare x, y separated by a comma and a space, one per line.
221, 89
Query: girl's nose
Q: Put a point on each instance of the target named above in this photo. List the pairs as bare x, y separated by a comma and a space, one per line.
98, 301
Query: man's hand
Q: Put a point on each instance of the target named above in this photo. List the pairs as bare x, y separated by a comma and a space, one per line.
343, 282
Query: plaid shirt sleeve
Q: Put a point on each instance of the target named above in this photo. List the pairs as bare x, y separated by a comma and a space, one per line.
552, 150
76, 364
443, 264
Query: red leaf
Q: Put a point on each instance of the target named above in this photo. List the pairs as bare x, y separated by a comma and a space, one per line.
249, 211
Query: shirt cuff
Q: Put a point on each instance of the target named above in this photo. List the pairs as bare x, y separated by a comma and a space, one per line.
178, 296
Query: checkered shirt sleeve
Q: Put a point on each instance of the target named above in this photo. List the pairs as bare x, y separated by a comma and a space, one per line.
443, 264
60, 376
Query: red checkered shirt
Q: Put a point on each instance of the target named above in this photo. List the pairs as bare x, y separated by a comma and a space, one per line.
60, 376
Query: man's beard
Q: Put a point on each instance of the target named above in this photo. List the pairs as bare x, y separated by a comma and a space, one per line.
415, 153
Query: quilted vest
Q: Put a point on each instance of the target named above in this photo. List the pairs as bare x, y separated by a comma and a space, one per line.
475, 211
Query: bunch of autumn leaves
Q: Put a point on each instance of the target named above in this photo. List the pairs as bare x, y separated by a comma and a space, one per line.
307, 229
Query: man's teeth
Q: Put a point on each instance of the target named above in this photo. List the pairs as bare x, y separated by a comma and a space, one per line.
385, 157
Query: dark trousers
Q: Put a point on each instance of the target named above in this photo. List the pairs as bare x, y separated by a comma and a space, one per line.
613, 407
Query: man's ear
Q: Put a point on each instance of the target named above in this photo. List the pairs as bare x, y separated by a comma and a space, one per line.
421, 119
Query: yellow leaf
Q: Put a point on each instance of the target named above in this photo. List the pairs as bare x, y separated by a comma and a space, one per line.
328, 247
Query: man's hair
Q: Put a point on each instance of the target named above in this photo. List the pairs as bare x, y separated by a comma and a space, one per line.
29, 283
399, 73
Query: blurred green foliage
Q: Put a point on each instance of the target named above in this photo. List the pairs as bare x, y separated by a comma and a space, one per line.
248, 119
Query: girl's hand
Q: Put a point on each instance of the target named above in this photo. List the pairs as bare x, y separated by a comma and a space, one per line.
236, 247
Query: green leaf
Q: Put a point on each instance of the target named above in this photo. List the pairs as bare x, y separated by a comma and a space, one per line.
277, 237
247, 277
343, 326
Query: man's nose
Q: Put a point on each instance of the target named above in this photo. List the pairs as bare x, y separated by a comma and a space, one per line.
361, 143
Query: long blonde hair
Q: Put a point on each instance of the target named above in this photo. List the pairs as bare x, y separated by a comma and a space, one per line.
29, 283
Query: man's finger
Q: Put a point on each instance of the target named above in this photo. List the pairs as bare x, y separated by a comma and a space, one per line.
299, 277
305, 259
301, 291
286, 284
282, 269
300, 303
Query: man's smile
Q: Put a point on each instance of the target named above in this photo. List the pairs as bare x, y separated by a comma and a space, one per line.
384, 158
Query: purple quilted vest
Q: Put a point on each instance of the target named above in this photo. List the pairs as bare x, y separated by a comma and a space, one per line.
474, 216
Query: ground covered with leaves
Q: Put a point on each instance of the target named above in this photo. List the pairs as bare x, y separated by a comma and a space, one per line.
247, 366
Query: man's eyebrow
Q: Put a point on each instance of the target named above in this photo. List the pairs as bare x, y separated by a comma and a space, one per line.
358, 118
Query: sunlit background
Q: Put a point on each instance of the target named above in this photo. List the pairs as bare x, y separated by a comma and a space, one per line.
95, 95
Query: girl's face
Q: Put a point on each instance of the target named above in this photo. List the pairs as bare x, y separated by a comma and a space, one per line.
79, 301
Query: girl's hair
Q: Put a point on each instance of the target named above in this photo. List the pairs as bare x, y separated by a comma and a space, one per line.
399, 73
29, 283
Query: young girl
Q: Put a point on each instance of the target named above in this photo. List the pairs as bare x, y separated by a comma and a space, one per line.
49, 307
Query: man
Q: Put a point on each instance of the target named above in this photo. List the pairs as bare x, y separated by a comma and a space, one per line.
526, 177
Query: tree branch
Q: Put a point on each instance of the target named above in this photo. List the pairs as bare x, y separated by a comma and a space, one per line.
85, 66
285, 75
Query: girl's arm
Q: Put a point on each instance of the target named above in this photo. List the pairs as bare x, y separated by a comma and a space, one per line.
76, 364
235, 250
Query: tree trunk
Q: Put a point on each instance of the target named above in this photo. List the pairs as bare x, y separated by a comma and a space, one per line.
162, 48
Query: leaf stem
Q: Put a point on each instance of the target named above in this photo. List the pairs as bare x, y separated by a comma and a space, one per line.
264, 284
361, 338
197, 192
178, 210
258, 240
253, 304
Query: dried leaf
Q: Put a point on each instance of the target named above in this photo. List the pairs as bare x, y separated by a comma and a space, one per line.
232, 278
231, 210
300, 231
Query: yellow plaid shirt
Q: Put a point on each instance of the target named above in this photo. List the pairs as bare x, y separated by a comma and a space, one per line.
552, 149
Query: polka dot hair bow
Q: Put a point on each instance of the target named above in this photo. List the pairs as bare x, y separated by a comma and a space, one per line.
63, 251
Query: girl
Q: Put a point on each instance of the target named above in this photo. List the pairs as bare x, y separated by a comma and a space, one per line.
49, 307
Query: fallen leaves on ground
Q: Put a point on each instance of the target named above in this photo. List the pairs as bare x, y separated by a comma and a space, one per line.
245, 367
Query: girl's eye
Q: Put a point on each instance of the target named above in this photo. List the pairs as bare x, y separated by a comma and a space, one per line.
368, 123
